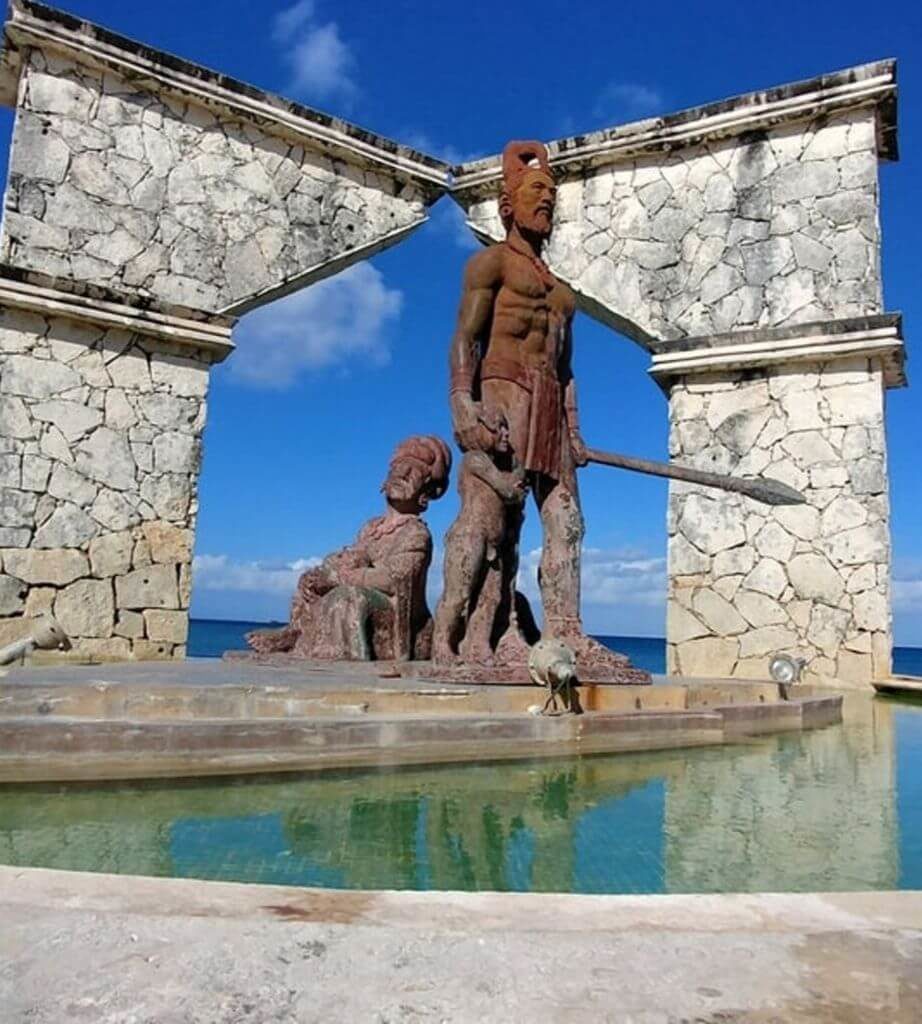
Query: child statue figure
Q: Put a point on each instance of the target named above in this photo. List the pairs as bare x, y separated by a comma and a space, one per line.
481, 555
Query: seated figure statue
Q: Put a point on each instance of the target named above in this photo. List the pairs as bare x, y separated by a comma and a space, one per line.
476, 614
367, 601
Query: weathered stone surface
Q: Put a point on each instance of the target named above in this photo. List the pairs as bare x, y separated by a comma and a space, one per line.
768, 577
106, 457
54, 567
68, 527
711, 525
12, 595
73, 419
718, 614
151, 587
712, 657
767, 640
812, 576
169, 626
681, 624
129, 624
29, 377
734, 561
86, 609
168, 543
759, 610
110, 555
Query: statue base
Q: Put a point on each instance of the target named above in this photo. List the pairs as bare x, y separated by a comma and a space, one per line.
612, 669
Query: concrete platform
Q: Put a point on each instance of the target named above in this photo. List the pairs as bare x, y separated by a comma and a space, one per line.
111, 950
147, 720
900, 686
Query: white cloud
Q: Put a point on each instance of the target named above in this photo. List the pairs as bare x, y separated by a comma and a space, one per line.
218, 572
612, 578
329, 323
907, 587
321, 63
625, 101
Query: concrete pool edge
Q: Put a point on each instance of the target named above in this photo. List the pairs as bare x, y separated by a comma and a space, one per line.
115, 730
148, 945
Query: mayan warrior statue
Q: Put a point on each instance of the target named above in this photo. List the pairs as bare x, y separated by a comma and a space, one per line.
368, 600
510, 355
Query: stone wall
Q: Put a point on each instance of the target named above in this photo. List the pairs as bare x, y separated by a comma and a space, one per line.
119, 185
100, 446
147, 198
776, 228
747, 580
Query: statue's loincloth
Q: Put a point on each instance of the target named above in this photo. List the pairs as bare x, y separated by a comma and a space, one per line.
540, 449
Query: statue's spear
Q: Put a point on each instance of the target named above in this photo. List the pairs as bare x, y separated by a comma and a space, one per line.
764, 489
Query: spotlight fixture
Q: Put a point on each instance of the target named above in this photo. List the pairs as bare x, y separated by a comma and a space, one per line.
784, 668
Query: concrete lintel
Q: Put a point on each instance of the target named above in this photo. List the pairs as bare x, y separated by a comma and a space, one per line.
867, 85
34, 24
872, 337
214, 335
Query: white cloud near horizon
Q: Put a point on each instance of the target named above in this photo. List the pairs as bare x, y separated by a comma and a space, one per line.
322, 64
219, 572
610, 577
323, 325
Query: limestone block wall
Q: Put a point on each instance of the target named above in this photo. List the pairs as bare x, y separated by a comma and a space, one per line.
748, 580
100, 444
146, 175
774, 229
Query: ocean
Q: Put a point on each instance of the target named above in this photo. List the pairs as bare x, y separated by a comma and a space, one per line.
210, 638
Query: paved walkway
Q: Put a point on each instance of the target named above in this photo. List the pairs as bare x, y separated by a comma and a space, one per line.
122, 950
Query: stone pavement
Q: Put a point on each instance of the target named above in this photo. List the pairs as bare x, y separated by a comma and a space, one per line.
113, 950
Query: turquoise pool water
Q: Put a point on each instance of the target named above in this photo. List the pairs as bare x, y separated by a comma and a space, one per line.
840, 808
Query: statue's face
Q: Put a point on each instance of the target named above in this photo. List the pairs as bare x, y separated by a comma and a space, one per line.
533, 203
408, 488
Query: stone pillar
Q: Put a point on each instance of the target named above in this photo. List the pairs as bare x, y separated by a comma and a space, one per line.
748, 580
102, 408
149, 202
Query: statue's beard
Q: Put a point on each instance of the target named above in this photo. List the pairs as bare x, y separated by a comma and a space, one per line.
535, 222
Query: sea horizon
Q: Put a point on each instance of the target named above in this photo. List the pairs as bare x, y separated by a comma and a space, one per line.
210, 638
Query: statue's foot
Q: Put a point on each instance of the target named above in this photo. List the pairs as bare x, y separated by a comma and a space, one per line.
443, 656
512, 649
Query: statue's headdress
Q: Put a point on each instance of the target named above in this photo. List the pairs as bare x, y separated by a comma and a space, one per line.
518, 159
430, 455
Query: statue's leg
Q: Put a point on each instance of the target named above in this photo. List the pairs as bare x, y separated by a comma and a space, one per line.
559, 573
477, 645
465, 551
343, 621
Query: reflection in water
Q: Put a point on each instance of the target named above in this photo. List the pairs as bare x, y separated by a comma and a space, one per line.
833, 809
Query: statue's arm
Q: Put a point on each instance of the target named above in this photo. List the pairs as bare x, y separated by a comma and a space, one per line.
571, 408
481, 279
509, 485
410, 555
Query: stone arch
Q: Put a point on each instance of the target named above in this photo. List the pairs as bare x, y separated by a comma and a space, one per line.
737, 242
150, 202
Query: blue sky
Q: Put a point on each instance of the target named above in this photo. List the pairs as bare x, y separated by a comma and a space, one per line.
296, 447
